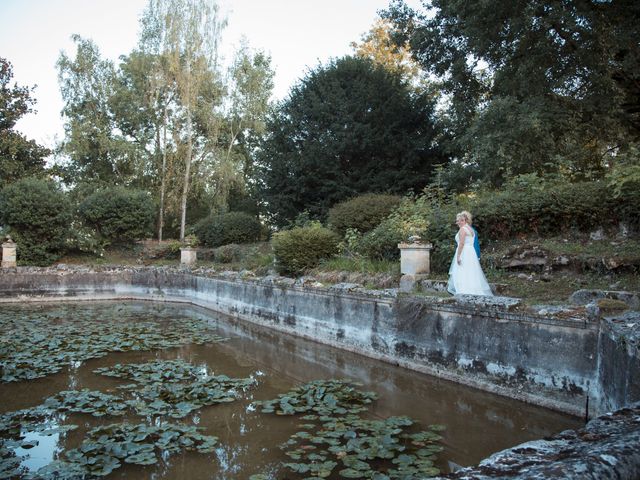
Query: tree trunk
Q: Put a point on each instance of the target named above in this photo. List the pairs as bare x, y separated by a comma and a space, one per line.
187, 171
163, 184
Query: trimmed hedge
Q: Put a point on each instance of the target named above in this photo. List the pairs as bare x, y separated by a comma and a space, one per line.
303, 248
362, 213
38, 215
119, 215
232, 227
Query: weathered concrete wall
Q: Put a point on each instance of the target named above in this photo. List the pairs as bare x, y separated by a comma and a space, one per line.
549, 362
530, 355
619, 360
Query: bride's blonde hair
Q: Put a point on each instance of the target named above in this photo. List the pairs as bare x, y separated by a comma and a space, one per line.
466, 215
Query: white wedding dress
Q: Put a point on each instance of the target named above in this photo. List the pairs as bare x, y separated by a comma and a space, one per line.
467, 278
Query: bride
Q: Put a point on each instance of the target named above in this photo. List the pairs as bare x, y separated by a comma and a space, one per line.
465, 274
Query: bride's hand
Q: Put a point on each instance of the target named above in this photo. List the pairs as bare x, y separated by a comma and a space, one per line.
459, 260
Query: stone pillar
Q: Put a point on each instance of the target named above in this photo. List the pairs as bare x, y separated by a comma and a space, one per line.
9, 253
414, 264
188, 256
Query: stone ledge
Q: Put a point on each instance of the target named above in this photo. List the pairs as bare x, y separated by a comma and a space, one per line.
607, 448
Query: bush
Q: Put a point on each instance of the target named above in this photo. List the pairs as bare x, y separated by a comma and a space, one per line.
529, 205
381, 243
226, 228
227, 253
38, 216
303, 248
119, 215
362, 213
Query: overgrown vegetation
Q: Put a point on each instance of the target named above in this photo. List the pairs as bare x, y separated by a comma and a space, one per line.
37, 214
119, 215
228, 228
302, 248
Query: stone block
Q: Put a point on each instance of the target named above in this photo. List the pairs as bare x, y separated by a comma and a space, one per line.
188, 256
8, 253
415, 258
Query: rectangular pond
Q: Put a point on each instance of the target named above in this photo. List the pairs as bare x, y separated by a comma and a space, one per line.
147, 373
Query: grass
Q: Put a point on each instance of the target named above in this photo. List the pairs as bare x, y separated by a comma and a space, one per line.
557, 288
553, 287
359, 265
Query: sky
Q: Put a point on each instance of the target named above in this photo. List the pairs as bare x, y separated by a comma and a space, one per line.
298, 34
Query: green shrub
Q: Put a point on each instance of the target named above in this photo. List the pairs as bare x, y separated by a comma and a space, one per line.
381, 243
624, 181
38, 216
362, 213
227, 253
302, 248
529, 206
231, 227
119, 215
84, 239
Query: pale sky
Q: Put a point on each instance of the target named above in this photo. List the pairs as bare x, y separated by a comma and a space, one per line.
297, 33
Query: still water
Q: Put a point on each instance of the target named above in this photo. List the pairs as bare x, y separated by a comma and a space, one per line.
477, 423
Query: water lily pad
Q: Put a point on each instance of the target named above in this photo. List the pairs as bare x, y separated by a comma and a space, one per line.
107, 446
325, 397
41, 345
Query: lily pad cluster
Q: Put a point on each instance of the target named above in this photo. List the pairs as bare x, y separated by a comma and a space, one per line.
332, 442
157, 371
174, 387
187, 387
36, 347
108, 447
325, 397
92, 402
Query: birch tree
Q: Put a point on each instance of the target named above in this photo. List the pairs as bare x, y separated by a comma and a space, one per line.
186, 34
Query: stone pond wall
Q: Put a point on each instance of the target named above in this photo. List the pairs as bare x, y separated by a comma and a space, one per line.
559, 363
554, 362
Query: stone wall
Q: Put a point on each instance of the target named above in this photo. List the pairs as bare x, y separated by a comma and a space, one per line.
547, 361
553, 362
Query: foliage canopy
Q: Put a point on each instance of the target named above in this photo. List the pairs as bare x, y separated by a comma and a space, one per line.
348, 127
19, 157
531, 86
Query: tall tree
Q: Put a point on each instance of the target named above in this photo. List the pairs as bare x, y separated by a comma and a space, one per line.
348, 127
161, 94
189, 42
19, 157
95, 150
378, 45
250, 85
143, 106
533, 85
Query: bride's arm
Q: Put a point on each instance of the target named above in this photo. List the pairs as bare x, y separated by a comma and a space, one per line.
463, 234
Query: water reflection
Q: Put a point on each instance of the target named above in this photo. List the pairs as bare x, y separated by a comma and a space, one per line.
478, 423
42, 453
